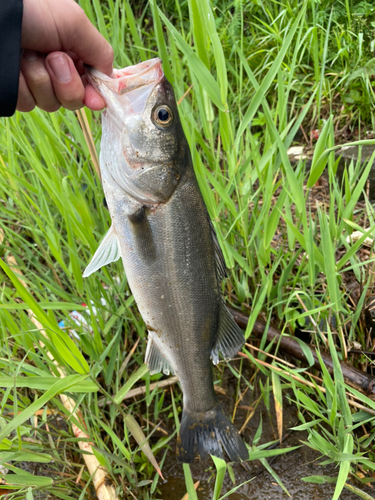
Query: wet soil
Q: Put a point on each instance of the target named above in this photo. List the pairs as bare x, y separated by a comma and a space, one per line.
290, 467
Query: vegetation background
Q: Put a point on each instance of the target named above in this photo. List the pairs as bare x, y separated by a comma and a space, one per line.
254, 78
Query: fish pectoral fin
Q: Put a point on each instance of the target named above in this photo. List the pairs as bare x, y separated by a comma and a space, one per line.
155, 360
107, 252
230, 337
142, 234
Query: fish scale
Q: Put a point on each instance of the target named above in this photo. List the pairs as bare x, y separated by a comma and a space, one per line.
172, 259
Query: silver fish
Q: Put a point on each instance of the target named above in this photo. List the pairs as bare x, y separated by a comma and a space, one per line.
172, 259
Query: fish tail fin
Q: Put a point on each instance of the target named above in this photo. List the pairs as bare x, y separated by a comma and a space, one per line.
209, 433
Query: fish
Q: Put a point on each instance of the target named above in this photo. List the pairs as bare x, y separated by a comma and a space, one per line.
172, 259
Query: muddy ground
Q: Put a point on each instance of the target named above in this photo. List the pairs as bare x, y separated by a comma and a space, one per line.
290, 467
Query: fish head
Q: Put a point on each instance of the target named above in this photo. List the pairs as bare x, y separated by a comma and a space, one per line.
142, 138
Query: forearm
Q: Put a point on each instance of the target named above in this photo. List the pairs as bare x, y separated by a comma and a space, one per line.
10, 49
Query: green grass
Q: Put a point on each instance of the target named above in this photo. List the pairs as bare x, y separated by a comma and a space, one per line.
259, 71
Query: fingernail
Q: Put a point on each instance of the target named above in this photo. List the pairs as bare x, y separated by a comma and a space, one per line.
60, 67
30, 55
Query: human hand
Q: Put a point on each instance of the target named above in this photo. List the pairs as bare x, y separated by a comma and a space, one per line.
57, 39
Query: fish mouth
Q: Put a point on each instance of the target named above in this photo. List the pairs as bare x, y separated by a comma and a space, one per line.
127, 79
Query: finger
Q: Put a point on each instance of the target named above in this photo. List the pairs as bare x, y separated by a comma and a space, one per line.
65, 27
92, 99
25, 100
80, 67
90, 46
38, 81
66, 81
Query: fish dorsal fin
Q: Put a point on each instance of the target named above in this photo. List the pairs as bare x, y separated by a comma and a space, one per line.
219, 257
230, 337
155, 360
107, 252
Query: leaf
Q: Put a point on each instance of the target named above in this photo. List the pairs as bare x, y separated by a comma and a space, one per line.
358, 492
344, 468
161, 42
192, 494
203, 75
25, 456
220, 62
276, 477
44, 383
319, 159
258, 454
27, 480
233, 490
116, 440
138, 435
6, 444
221, 468
115, 459
258, 306
134, 377
73, 254
59, 306
59, 386
302, 239
229, 249
278, 398
61, 339
328, 251
267, 81
305, 426
339, 382
319, 479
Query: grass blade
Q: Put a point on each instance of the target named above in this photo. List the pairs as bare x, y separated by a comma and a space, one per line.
267, 81
197, 66
59, 386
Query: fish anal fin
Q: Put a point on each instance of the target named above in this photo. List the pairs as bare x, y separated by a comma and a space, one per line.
230, 337
107, 252
154, 358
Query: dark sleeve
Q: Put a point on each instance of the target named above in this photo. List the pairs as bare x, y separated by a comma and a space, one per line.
10, 52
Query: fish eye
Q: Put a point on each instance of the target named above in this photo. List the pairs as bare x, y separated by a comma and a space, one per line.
163, 116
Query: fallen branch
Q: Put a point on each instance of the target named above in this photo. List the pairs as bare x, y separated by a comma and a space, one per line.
307, 383
104, 488
358, 379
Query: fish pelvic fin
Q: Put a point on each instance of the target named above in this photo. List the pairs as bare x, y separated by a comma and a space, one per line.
107, 252
209, 433
155, 360
230, 337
